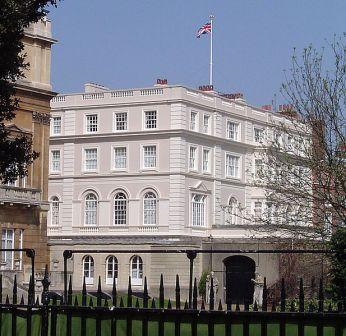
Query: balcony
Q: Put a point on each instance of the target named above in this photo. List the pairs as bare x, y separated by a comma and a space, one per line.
18, 195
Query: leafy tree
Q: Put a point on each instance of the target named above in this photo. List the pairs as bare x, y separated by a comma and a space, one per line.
15, 15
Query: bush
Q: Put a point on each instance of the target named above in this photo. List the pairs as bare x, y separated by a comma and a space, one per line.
202, 288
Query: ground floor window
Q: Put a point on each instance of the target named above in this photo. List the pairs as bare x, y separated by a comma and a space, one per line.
136, 270
88, 269
7, 242
112, 269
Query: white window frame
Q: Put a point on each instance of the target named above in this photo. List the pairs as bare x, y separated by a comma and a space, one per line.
115, 121
125, 209
113, 158
55, 171
258, 211
206, 128
254, 134
255, 172
89, 280
143, 156
208, 170
236, 130
55, 199
52, 129
232, 212
146, 210
84, 169
199, 219
194, 126
136, 273
236, 176
195, 165
114, 269
7, 242
145, 119
96, 211
86, 123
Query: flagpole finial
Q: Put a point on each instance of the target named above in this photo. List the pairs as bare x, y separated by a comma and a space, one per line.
211, 16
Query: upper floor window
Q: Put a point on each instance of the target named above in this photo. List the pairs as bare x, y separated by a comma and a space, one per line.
198, 210
206, 122
193, 121
206, 160
90, 210
150, 209
88, 269
7, 242
120, 209
112, 269
150, 119
258, 134
121, 121
136, 265
55, 161
56, 125
258, 209
55, 211
232, 165
232, 130
258, 168
149, 156
232, 211
90, 159
120, 157
193, 158
91, 123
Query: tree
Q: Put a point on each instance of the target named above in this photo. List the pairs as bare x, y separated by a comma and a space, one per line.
16, 152
300, 164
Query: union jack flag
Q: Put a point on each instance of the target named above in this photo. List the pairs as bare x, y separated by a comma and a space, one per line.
205, 29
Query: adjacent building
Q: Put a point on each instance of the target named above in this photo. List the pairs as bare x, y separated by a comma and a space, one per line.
154, 168
24, 203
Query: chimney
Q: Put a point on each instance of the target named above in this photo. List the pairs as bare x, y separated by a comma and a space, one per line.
287, 110
266, 107
238, 96
207, 88
161, 81
94, 88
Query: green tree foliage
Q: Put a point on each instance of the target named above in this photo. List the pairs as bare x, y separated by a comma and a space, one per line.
15, 15
338, 262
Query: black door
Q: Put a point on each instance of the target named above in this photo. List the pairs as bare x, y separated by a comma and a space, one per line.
239, 272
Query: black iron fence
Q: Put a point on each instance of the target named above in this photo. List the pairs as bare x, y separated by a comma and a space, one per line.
98, 313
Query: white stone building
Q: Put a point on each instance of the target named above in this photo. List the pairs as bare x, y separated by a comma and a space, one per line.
150, 168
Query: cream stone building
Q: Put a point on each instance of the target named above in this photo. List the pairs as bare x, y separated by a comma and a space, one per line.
152, 168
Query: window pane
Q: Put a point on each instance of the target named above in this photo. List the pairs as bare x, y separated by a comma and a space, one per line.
55, 211
56, 125
121, 121
91, 159
91, 123
149, 209
198, 210
232, 130
150, 119
55, 164
193, 119
120, 157
206, 160
206, 119
7, 242
149, 156
192, 158
120, 205
232, 166
90, 210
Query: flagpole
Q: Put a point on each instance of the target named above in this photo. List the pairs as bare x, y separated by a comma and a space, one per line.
211, 50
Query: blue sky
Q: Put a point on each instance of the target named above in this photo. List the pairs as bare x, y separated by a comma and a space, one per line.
130, 43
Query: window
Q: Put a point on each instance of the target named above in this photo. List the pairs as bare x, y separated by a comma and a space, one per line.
232, 211
206, 165
270, 214
258, 135
328, 222
198, 210
120, 121
88, 270
90, 210
232, 166
150, 119
20, 246
120, 157
136, 271
149, 208
120, 207
206, 119
277, 139
91, 123
258, 209
55, 211
112, 270
90, 159
7, 242
193, 158
232, 130
56, 125
193, 121
149, 156
289, 143
55, 161
258, 168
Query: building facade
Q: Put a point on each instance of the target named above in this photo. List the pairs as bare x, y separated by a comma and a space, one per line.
24, 204
154, 168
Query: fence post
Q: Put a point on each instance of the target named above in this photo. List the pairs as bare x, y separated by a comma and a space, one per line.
67, 255
45, 302
191, 255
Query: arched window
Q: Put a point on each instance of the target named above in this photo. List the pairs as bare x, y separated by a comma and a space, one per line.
120, 209
88, 269
55, 211
149, 209
232, 211
90, 210
136, 265
112, 269
198, 210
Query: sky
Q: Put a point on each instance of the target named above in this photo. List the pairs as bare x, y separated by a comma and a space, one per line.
131, 43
